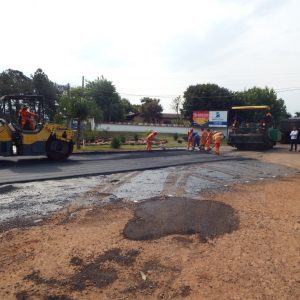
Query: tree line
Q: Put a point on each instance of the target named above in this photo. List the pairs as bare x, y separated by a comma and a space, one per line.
212, 97
99, 99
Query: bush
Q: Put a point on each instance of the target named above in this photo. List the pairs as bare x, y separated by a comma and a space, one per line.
136, 138
175, 136
115, 143
104, 134
122, 139
90, 135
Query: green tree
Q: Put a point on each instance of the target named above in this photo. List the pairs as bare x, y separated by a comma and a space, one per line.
43, 86
14, 82
127, 107
115, 143
297, 114
136, 108
207, 97
75, 104
103, 92
264, 96
151, 110
176, 104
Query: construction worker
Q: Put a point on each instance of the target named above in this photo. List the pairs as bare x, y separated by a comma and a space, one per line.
149, 140
25, 118
196, 140
190, 139
268, 118
203, 138
209, 140
235, 125
217, 138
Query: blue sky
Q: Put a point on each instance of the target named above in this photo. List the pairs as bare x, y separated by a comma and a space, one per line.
157, 48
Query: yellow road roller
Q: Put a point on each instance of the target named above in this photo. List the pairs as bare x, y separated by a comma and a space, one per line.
24, 132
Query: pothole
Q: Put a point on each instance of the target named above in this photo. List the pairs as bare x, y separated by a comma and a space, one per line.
158, 217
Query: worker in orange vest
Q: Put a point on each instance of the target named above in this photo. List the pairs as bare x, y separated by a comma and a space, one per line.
203, 138
217, 137
25, 118
149, 140
209, 140
190, 139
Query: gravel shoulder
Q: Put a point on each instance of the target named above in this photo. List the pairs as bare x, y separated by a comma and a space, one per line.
83, 254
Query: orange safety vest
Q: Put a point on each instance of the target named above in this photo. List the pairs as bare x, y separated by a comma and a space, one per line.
217, 137
151, 136
209, 138
23, 117
27, 116
203, 137
190, 134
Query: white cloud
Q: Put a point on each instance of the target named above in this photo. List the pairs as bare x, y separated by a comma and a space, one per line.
156, 47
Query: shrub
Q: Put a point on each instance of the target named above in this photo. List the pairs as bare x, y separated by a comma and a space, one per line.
175, 136
122, 139
115, 143
136, 137
90, 135
185, 137
105, 134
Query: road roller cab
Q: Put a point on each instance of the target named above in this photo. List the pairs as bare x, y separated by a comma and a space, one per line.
23, 130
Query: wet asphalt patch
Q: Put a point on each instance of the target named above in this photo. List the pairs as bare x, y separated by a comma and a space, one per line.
24, 295
98, 273
7, 188
158, 217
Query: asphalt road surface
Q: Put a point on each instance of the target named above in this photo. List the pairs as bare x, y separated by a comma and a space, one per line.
20, 169
110, 178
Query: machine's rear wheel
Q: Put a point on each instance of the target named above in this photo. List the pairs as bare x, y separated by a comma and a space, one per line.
58, 150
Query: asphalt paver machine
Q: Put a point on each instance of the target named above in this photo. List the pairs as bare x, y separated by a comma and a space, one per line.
53, 140
253, 128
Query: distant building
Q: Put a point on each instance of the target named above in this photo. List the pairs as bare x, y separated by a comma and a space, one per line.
170, 118
166, 118
62, 87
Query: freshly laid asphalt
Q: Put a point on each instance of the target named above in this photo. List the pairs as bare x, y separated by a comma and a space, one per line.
21, 169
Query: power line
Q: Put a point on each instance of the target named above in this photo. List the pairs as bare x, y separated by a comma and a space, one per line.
280, 90
150, 96
288, 90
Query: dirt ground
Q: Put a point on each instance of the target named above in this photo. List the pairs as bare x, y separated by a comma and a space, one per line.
83, 254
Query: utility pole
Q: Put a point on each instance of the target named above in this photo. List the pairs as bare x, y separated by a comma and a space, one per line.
79, 120
82, 83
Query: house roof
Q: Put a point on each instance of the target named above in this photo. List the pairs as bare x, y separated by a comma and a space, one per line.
169, 116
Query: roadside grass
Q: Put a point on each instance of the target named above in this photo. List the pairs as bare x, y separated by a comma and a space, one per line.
169, 137
171, 143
